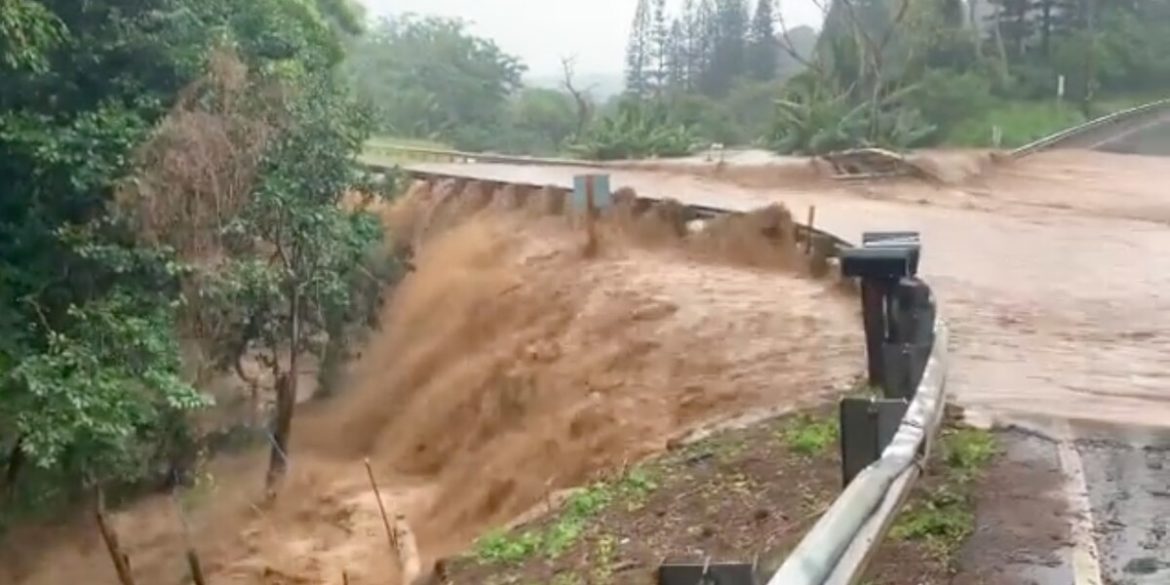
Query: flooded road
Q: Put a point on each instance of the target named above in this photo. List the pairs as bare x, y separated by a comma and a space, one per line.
1052, 272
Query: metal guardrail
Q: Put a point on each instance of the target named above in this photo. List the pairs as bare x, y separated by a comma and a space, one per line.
841, 544
412, 152
1075, 132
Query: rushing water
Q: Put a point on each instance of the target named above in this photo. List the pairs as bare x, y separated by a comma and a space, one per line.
1053, 272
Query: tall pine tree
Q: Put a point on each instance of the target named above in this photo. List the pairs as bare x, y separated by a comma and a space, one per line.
676, 57
729, 47
694, 43
762, 48
639, 52
707, 39
661, 49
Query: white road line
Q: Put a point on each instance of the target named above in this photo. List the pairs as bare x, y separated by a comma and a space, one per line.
1085, 564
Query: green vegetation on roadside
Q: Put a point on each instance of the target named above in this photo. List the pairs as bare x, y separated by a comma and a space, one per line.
736, 491
505, 547
808, 435
942, 514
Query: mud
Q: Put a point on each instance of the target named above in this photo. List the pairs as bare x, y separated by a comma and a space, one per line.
509, 365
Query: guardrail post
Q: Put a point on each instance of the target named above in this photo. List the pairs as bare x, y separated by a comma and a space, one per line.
911, 336
885, 259
898, 313
867, 427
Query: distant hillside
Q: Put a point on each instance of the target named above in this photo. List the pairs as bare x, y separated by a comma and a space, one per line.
602, 85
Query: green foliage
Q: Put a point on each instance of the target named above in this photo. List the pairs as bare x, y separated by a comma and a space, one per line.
809, 436
942, 520
501, 547
100, 393
946, 98
541, 121
967, 451
297, 253
429, 78
90, 383
816, 119
944, 517
1019, 122
639, 129
27, 30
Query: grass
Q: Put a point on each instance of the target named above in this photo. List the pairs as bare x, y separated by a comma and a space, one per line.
391, 141
1020, 123
944, 516
808, 435
513, 548
726, 495
374, 151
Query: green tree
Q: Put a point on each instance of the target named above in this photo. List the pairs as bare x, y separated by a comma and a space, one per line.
293, 270
762, 47
542, 121
728, 54
640, 51
660, 71
90, 384
27, 30
428, 77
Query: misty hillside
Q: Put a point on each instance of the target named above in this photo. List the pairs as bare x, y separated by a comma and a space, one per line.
602, 85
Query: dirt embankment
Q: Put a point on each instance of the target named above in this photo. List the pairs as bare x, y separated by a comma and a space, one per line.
514, 362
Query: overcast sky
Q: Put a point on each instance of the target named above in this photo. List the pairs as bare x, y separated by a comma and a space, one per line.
541, 31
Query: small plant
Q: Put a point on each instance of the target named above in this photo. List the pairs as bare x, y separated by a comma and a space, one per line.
967, 451
635, 487
943, 520
810, 436
603, 562
500, 547
567, 579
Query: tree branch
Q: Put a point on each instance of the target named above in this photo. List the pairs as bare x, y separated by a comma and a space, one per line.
787, 45
568, 64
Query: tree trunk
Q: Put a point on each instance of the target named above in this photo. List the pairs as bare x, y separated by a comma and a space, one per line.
1000, 45
973, 22
286, 401
119, 558
1090, 59
14, 466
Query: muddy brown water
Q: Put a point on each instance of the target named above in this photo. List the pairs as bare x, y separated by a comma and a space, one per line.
1053, 274
510, 365
1052, 271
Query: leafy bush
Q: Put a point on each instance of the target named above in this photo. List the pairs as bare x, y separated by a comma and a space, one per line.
946, 98
639, 129
809, 436
815, 119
